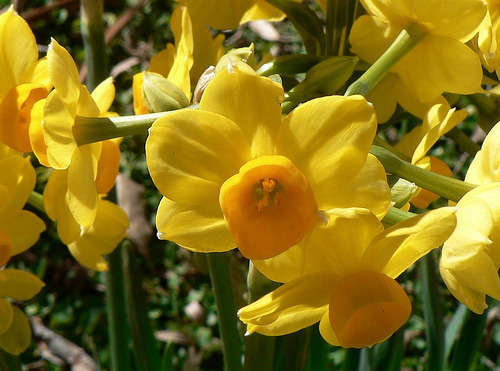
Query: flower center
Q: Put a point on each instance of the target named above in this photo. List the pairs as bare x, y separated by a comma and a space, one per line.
366, 308
269, 206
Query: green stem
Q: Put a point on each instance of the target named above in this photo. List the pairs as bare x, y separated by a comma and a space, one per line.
92, 27
255, 357
331, 10
433, 313
450, 188
145, 349
218, 266
95, 129
118, 326
36, 200
395, 215
406, 40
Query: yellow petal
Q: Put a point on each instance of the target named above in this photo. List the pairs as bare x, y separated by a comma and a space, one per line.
162, 62
368, 189
23, 227
58, 121
87, 256
485, 168
6, 315
104, 94
399, 246
18, 50
326, 330
107, 167
384, 96
219, 14
335, 247
328, 139
251, 101
5, 248
19, 285
36, 135
64, 74
291, 307
19, 177
263, 10
474, 300
424, 197
108, 229
191, 153
38, 72
139, 106
437, 64
197, 229
18, 337
82, 192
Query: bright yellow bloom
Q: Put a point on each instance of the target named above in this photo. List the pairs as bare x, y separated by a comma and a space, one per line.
438, 121
346, 278
19, 229
68, 100
471, 257
441, 61
234, 173
25, 80
228, 14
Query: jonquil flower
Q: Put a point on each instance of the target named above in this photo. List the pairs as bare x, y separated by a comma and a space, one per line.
68, 100
25, 80
471, 256
488, 38
19, 230
234, 174
346, 279
441, 61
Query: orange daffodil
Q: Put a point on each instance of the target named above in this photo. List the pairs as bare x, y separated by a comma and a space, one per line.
89, 225
25, 80
19, 229
234, 173
471, 256
438, 62
346, 278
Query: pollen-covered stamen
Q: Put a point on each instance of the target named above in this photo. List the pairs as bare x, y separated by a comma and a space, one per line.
266, 190
269, 206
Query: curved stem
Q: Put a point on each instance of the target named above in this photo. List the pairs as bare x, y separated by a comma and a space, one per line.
450, 188
406, 40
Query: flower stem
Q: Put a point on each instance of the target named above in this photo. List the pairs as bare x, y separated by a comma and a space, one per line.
218, 266
36, 200
92, 27
433, 313
406, 40
395, 215
450, 188
255, 359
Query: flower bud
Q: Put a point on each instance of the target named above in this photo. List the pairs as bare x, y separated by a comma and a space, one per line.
161, 95
402, 192
244, 54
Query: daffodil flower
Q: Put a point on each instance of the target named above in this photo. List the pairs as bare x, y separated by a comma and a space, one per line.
68, 100
441, 61
25, 80
471, 256
438, 121
19, 230
234, 173
346, 279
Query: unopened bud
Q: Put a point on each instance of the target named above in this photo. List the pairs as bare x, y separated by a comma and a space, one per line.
161, 95
202, 84
402, 192
243, 54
